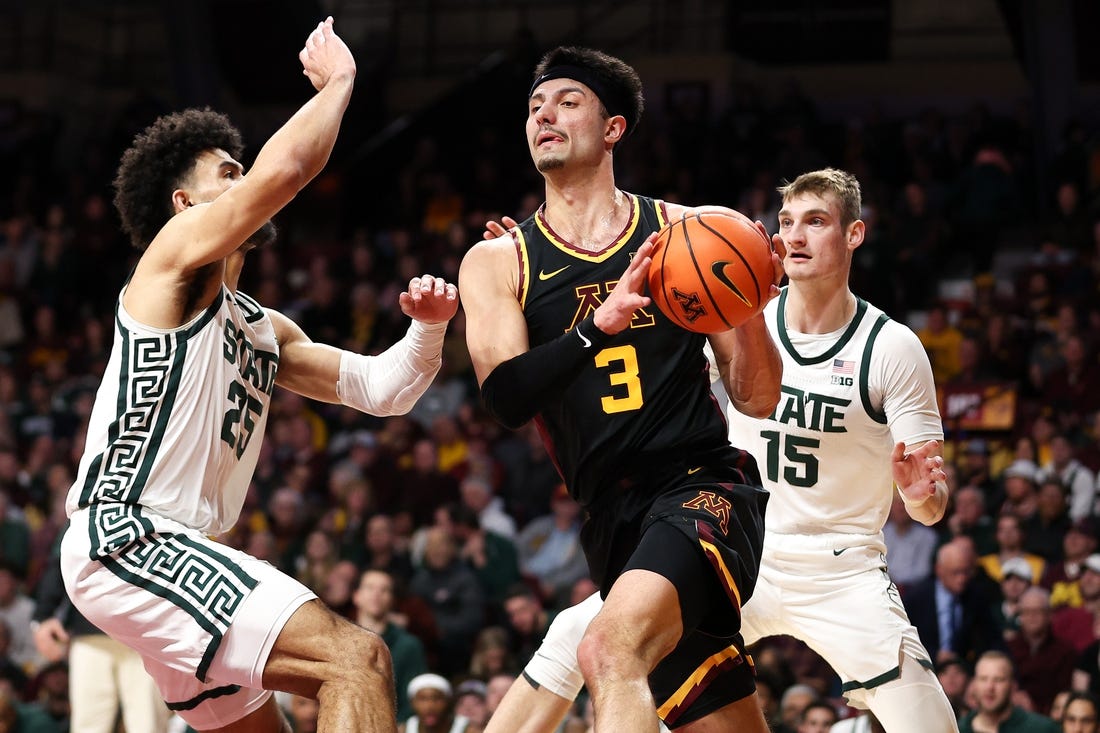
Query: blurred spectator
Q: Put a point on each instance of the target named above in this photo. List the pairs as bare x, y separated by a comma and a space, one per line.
454, 595
1080, 625
17, 717
1047, 528
1072, 386
1044, 663
793, 703
1087, 674
303, 712
15, 536
470, 702
316, 561
17, 610
477, 494
495, 689
969, 519
1020, 481
1016, 577
338, 588
910, 546
289, 524
12, 330
492, 654
941, 341
1081, 713
382, 551
374, 600
817, 717
550, 550
954, 677
491, 556
1010, 544
994, 685
433, 705
12, 676
528, 621
530, 475
423, 487
1065, 467
951, 610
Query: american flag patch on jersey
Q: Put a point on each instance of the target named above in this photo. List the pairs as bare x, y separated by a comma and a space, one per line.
840, 366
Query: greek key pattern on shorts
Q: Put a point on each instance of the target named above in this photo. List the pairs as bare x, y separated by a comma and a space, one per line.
193, 576
148, 382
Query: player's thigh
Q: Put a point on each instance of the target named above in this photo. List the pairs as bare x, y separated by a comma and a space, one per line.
743, 716
525, 709
640, 615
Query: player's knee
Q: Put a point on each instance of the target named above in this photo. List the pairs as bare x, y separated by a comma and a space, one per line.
619, 651
363, 656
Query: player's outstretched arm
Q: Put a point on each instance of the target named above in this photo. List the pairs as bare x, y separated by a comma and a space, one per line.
387, 384
921, 480
292, 157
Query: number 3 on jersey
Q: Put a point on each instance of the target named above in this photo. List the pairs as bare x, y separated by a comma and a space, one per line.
802, 470
625, 361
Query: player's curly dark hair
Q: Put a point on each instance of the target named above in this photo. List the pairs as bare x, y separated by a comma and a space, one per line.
619, 79
157, 161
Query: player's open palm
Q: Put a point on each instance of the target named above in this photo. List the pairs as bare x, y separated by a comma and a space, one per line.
617, 311
325, 56
429, 299
916, 473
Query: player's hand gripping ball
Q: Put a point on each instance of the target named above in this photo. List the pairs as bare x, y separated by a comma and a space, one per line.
711, 270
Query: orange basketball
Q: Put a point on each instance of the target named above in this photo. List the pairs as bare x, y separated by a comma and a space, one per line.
711, 270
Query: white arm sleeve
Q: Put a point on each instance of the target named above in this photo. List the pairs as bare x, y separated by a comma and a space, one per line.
392, 382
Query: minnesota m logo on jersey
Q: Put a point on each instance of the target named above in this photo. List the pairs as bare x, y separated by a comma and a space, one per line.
591, 296
717, 506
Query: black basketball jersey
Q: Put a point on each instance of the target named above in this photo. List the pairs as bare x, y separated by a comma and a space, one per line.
644, 402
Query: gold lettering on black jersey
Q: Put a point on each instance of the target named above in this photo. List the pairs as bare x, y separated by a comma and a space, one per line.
591, 296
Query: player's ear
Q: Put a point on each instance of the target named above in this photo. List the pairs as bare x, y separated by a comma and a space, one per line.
616, 129
180, 200
856, 232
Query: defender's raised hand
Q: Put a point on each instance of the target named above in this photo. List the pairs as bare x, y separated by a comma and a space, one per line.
429, 299
326, 56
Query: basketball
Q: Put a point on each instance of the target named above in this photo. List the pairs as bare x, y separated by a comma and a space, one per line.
711, 270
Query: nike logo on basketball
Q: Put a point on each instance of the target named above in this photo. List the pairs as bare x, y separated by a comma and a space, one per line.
719, 270
544, 275
836, 553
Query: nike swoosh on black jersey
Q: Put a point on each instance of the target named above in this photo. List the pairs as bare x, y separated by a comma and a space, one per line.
544, 275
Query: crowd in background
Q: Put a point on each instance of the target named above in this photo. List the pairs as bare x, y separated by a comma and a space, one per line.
452, 536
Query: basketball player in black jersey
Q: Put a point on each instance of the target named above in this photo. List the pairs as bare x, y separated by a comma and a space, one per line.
560, 330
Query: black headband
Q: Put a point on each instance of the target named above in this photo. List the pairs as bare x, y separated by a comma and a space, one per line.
614, 101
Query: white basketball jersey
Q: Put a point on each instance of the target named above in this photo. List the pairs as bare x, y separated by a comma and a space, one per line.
847, 397
179, 418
